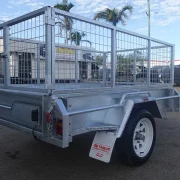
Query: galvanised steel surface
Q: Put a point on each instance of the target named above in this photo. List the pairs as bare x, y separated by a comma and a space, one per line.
87, 74
52, 49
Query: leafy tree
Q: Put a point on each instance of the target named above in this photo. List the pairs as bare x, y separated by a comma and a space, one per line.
67, 22
64, 5
125, 62
76, 37
99, 60
114, 16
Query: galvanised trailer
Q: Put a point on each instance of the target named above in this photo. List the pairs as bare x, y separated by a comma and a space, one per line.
104, 93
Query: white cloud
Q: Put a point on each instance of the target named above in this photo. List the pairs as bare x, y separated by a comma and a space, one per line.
8, 16
140, 3
33, 4
163, 12
23, 6
167, 21
29, 5
18, 2
100, 8
3, 18
90, 6
138, 16
142, 30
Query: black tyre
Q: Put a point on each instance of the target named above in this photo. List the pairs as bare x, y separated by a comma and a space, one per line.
137, 142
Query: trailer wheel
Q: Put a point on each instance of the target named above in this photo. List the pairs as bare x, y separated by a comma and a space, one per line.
137, 142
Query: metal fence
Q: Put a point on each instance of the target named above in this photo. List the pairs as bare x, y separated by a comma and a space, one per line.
52, 49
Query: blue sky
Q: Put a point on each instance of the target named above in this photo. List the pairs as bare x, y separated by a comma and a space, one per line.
165, 15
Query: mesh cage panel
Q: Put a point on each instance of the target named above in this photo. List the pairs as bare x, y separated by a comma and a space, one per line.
1, 59
27, 52
81, 56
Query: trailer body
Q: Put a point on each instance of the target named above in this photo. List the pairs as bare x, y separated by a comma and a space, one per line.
56, 87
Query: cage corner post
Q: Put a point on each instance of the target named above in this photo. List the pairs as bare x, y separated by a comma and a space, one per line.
172, 64
50, 49
149, 63
113, 56
6, 56
134, 66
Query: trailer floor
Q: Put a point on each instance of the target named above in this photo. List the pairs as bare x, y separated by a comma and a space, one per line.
87, 86
23, 158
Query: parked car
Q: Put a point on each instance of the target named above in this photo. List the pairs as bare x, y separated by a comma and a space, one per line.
177, 74
1, 79
158, 74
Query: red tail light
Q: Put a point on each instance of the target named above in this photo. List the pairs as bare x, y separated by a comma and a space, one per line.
59, 127
48, 117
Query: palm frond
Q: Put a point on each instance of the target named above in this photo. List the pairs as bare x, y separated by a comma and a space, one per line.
100, 15
114, 15
70, 6
64, 5
123, 15
122, 20
76, 37
60, 6
64, 2
83, 34
127, 8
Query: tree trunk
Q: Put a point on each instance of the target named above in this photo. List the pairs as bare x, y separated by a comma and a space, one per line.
66, 38
70, 33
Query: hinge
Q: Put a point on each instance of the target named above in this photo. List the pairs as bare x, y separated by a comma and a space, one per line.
49, 21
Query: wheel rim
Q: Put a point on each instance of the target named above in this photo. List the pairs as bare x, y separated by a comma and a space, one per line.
143, 137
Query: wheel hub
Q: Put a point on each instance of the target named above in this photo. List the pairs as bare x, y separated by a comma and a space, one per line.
143, 137
139, 136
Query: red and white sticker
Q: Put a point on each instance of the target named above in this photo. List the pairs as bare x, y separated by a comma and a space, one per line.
102, 146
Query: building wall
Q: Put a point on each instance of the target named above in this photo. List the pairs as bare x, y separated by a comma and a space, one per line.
14, 65
63, 70
1, 67
65, 59
89, 71
1, 45
35, 70
20, 46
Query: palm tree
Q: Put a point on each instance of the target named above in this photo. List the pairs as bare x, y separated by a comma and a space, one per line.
64, 5
76, 37
114, 16
67, 22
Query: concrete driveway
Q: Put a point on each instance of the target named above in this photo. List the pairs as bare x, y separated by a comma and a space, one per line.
23, 158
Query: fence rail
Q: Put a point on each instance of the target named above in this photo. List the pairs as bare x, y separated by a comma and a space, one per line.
50, 49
